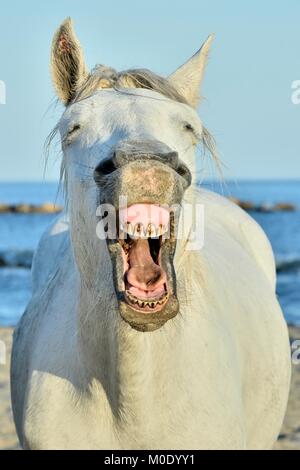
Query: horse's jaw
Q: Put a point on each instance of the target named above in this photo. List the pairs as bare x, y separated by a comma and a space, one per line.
143, 273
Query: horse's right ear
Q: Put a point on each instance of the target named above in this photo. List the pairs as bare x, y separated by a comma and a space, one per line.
68, 68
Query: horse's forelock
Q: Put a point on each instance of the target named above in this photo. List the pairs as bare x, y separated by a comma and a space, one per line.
105, 77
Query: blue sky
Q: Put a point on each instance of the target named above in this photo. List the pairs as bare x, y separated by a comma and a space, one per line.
254, 60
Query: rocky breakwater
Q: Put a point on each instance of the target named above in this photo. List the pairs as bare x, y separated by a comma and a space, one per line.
46, 208
264, 207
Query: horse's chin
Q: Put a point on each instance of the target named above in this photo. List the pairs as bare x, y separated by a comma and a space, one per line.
152, 320
144, 276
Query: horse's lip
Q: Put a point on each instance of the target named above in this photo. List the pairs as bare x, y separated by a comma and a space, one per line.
142, 295
152, 320
146, 305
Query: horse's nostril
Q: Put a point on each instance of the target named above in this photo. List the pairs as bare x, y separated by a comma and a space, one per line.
183, 171
106, 167
142, 152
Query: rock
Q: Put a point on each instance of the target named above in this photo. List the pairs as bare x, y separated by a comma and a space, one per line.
4, 208
46, 208
246, 205
22, 208
284, 206
264, 207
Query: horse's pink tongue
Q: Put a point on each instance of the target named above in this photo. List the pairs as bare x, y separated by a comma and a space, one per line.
144, 274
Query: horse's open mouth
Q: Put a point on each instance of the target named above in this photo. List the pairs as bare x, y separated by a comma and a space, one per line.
143, 230
143, 296
146, 245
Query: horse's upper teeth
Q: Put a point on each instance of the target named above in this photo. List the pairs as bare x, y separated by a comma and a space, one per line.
151, 230
161, 230
138, 231
129, 228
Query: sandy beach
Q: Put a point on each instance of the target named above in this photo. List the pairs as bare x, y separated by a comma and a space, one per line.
289, 438
8, 438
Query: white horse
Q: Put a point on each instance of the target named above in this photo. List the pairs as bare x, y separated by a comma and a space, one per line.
142, 340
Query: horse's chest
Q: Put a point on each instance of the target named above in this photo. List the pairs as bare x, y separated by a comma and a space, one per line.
90, 426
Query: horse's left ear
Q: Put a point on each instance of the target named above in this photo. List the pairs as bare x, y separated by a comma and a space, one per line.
187, 78
68, 67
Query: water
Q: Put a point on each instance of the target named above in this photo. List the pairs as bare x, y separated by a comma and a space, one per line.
282, 229
19, 235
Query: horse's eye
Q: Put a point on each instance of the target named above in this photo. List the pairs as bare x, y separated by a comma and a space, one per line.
67, 139
188, 127
76, 127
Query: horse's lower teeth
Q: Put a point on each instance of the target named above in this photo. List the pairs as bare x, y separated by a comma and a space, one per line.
146, 303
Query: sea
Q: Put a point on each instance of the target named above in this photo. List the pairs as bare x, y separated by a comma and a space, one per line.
20, 233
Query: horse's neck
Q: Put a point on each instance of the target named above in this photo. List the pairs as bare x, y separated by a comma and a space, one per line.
138, 371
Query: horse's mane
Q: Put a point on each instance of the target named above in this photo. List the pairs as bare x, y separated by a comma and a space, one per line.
106, 77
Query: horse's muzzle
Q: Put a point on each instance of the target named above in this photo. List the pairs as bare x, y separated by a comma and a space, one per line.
150, 179
146, 151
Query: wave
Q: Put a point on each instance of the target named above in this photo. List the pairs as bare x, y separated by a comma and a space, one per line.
288, 263
16, 258
23, 259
